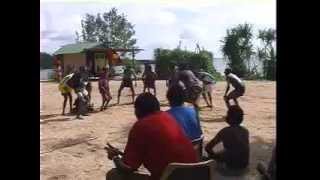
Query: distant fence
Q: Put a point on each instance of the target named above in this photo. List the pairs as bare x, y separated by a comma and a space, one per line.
47, 74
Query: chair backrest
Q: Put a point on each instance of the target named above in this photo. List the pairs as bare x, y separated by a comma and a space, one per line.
198, 146
189, 171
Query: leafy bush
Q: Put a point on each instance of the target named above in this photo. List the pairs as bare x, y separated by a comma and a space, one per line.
166, 59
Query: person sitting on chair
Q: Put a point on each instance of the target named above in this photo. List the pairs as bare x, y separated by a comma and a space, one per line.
235, 140
155, 140
186, 117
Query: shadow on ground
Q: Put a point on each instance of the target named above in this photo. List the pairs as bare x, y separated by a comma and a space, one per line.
212, 120
55, 120
47, 116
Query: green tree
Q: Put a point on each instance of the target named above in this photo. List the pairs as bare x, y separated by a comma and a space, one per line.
166, 60
238, 48
267, 53
46, 61
111, 28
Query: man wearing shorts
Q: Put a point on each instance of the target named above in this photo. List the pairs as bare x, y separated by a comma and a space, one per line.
127, 82
207, 85
66, 92
191, 83
237, 83
104, 88
149, 79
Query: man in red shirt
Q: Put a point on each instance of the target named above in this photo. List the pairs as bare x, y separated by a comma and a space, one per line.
155, 140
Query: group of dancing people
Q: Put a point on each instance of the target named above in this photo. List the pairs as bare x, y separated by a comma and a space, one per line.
194, 84
79, 82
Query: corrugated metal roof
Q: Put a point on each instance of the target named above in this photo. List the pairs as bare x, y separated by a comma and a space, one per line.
76, 48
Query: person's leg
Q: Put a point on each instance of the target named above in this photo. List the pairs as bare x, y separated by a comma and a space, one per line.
65, 98
144, 87
109, 97
103, 100
210, 99
195, 97
70, 101
77, 104
155, 91
133, 93
119, 92
226, 100
205, 98
115, 174
234, 95
204, 95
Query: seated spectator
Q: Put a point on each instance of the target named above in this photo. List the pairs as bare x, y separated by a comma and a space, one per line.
235, 139
155, 140
186, 117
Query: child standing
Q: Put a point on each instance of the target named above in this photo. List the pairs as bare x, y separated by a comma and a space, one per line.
104, 88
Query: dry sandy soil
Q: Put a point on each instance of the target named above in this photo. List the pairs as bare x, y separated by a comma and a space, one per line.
73, 149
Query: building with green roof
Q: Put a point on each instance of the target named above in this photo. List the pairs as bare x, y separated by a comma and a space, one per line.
93, 55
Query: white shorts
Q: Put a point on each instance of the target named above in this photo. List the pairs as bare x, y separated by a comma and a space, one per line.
207, 88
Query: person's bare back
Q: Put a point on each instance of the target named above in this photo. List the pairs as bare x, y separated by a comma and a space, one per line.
235, 140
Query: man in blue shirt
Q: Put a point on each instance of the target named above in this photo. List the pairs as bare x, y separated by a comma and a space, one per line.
186, 117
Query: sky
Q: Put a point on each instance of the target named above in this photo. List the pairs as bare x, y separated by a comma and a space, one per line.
158, 23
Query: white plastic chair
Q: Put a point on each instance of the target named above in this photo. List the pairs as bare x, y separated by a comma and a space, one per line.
189, 171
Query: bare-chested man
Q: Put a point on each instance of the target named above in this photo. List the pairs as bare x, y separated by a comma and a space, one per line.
149, 79
104, 88
191, 83
237, 83
127, 82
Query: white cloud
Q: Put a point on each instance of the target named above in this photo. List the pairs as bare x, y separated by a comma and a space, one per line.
159, 24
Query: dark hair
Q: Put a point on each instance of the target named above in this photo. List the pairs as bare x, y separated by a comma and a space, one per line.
234, 115
145, 104
227, 71
175, 95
